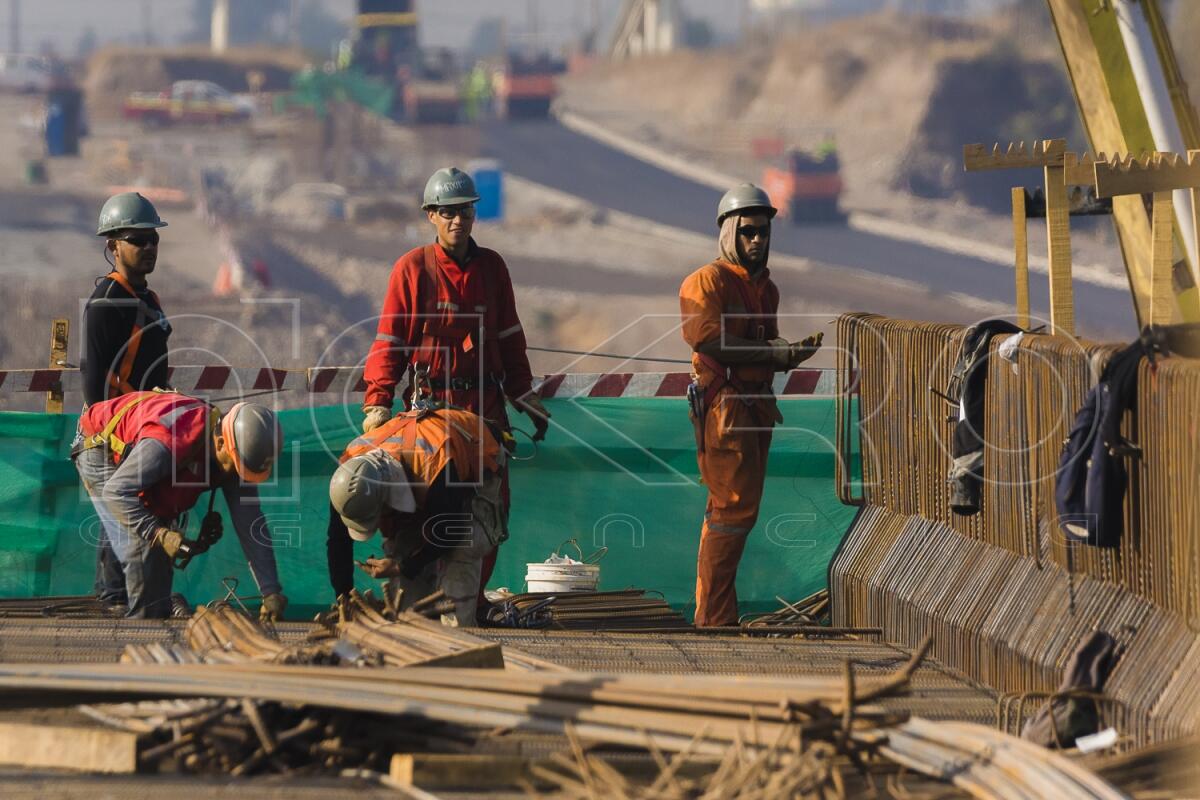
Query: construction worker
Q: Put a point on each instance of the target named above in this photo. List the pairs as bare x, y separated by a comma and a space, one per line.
126, 331
430, 480
477, 92
146, 457
450, 318
729, 320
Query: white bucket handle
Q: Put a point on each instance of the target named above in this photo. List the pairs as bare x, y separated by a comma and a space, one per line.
592, 559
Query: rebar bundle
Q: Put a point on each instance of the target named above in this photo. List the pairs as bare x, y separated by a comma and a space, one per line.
626, 610
1007, 595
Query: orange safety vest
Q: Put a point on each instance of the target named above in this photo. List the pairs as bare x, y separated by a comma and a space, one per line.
445, 333
184, 424
119, 380
426, 441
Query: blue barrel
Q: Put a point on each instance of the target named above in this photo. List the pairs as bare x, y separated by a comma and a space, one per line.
56, 130
489, 182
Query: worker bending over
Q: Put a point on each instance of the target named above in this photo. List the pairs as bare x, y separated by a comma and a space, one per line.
430, 480
729, 320
146, 457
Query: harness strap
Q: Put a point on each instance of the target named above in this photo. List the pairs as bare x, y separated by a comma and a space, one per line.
119, 380
108, 435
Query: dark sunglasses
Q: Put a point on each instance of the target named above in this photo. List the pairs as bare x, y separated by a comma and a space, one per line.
450, 212
140, 239
750, 231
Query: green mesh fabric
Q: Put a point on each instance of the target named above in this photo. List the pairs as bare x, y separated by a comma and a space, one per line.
617, 473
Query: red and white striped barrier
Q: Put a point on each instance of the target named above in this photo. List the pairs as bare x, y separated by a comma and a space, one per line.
348, 381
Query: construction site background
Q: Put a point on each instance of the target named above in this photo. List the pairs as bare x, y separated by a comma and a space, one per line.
581, 274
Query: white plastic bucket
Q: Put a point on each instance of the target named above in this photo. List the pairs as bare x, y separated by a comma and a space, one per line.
558, 578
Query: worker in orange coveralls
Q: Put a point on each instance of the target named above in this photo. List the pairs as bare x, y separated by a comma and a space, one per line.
450, 320
729, 320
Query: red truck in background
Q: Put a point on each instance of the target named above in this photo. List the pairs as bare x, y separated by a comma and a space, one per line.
188, 102
526, 86
808, 186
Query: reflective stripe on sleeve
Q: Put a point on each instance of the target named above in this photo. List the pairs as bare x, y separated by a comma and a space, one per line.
509, 331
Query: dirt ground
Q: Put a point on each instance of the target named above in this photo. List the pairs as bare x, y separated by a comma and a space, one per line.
900, 96
586, 279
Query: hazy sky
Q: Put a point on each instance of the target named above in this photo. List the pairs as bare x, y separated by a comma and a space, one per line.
444, 22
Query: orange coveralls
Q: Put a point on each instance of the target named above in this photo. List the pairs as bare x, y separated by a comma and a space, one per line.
737, 430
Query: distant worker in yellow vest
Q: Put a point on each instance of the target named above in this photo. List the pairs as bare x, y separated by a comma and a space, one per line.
431, 481
729, 320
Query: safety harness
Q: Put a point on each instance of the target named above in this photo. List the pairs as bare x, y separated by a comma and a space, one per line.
107, 436
119, 380
702, 399
441, 304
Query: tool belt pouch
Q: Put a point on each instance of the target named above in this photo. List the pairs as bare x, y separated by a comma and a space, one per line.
697, 410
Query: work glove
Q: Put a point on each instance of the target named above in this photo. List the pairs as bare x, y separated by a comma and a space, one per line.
803, 350
374, 416
380, 567
169, 540
273, 606
531, 405
781, 351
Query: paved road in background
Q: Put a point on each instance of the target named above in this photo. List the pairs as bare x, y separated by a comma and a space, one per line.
550, 154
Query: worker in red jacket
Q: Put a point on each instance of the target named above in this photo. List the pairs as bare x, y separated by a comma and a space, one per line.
146, 457
450, 321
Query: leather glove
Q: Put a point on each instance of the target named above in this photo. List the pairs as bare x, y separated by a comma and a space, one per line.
374, 416
781, 351
169, 540
531, 405
803, 350
273, 606
380, 567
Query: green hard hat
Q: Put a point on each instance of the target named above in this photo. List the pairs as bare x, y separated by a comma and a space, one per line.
743, 198
357, 494
127, 210
449, 186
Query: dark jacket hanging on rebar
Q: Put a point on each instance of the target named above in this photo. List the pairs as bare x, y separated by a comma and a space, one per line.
968, 385
1089, 491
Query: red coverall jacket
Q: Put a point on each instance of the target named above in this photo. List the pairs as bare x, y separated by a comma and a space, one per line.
460, 322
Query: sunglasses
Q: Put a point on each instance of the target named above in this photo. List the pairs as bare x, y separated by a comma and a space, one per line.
140, 239
450, 212
750, 231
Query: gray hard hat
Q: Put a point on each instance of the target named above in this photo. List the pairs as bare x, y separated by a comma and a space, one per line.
357, 493
745, 198
253, 438
127, 210
449, 186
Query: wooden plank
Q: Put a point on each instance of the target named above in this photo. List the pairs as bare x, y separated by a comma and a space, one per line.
1021, 250
489, 656
1045, 153
70, 747
460, 771
59, 330
1105, 133
1162, 172
1162, 296
1079, 169
1058, 238
480, 771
